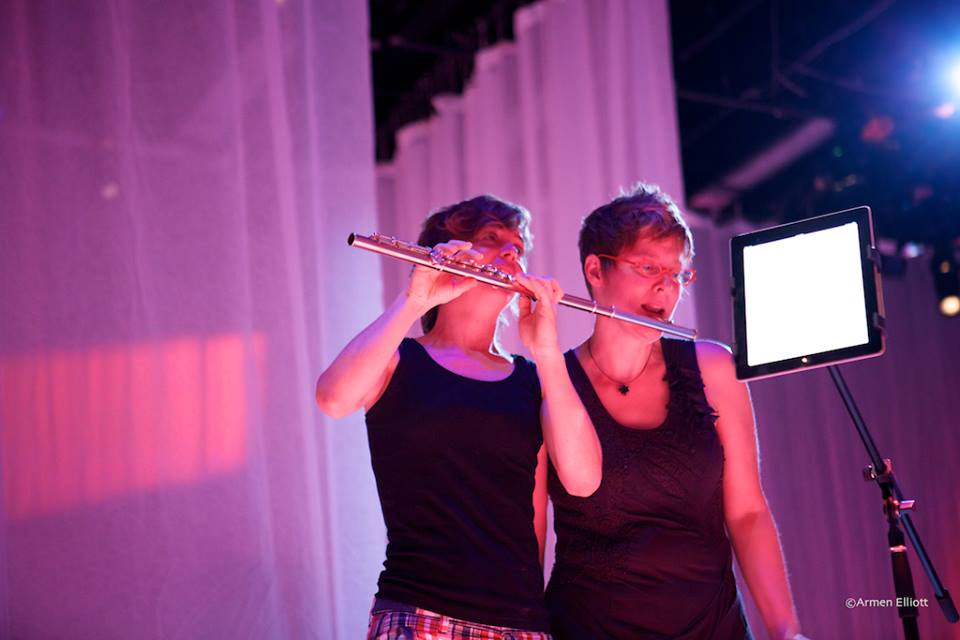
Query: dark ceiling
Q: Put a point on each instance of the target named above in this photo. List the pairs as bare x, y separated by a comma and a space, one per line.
748, 73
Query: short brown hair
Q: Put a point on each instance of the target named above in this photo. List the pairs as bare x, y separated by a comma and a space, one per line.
462, 221
643, 211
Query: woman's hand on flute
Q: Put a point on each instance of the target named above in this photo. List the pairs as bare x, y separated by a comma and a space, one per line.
429, 287
568, 433
360, 373
538, 320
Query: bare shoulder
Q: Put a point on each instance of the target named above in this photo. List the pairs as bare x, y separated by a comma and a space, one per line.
714, 348
728, 395
714, 358
716, 365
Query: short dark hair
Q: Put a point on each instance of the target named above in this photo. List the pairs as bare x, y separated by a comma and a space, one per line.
462, 221
643, 211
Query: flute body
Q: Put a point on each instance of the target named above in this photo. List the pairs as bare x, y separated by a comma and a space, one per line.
414, 253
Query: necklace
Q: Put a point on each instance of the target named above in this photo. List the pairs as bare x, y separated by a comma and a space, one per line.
624, 387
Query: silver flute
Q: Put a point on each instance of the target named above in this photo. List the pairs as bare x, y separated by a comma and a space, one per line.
408, 252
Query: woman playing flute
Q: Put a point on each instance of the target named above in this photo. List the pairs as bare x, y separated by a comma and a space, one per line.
459, 433
648, 554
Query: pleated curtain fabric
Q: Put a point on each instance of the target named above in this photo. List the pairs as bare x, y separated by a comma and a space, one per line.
177, 182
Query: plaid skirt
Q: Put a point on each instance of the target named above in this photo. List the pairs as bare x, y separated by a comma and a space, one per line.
396, 621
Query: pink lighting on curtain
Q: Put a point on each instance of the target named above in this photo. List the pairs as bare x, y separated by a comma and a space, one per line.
177, 180
162, 414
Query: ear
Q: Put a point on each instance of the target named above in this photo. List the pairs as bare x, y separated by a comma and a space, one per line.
593, 271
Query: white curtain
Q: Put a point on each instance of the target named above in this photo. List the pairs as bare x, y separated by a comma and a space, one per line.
177, 181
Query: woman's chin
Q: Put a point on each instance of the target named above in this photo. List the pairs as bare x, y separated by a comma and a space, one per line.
644, 334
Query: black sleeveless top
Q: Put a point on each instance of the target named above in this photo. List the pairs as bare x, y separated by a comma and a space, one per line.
647, 556
455, 460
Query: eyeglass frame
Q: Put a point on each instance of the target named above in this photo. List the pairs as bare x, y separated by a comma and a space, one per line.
633, 265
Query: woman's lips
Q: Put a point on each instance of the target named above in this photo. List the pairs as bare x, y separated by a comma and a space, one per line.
652, 311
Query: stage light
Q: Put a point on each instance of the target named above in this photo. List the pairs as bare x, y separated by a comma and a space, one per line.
946, 281
109, 191
911, 250
877, 129
945, 110
954, 77
950, 306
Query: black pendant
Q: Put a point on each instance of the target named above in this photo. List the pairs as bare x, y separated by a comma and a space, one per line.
623, 389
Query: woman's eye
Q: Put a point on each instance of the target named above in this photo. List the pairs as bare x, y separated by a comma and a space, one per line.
650, 269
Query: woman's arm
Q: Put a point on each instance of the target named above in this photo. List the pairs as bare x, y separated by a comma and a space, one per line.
750, 524
360, 373
568, 431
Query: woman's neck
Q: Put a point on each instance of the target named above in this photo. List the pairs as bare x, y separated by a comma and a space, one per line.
620, 354
470, 333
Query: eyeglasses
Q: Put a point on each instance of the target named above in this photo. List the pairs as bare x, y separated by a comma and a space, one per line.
652, 270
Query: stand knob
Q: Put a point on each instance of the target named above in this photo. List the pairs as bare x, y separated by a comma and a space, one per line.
870, 472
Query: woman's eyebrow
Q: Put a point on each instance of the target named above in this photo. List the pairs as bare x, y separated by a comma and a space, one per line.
514, 232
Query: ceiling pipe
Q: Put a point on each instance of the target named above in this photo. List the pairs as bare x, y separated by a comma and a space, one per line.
763, 165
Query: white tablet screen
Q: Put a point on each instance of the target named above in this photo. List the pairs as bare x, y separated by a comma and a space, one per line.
804, 295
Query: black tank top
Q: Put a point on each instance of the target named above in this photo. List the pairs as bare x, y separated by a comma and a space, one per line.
647, 556
455, 460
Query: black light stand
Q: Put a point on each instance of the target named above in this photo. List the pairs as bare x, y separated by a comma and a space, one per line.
895, 506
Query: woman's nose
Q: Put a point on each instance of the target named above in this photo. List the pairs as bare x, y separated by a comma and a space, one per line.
664, 281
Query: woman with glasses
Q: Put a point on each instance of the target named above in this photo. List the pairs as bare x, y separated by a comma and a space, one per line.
459, 432
648, 554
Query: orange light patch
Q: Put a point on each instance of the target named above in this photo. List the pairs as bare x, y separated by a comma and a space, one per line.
82, 426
